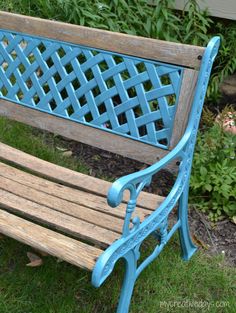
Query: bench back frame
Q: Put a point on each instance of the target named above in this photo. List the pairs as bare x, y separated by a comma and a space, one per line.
186, 56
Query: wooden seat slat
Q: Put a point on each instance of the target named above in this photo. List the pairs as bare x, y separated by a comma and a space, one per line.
137, 97
61, 246
69, 177
60, 221
70, 195
60, 205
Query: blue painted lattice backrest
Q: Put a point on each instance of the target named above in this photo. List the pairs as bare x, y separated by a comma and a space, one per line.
126, 95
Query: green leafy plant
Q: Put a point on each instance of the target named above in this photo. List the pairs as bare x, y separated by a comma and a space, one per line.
20, 6
225, 63
195, 24
155, 19
163, 22
213, 179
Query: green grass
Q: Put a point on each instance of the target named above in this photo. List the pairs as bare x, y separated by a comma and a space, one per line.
62, 288
58, 287
37, 143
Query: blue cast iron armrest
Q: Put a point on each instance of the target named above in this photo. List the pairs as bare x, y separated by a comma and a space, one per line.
132, 237
128, 245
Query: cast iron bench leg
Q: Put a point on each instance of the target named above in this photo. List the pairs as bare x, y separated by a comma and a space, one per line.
128, 283
187, 246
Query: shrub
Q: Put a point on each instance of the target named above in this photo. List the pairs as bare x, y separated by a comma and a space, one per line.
214, 173
140, 18
158, 20
213, 179
225, 63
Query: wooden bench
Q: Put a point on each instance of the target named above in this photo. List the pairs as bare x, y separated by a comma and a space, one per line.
138, 97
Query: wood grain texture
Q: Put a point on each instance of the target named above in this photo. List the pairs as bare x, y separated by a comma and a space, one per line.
86, 134
164, 51
184, 105
65, 195
68, 177
65, 248
60, 221
57, 204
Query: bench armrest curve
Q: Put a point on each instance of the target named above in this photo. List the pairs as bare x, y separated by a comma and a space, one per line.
132, 238
129, 182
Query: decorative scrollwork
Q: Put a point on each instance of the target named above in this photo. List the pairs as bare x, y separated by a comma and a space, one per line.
135, 190
135, 237
162, 231
132, 238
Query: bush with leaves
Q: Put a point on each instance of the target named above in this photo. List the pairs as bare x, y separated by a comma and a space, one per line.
156, 20
225, 63
213, 179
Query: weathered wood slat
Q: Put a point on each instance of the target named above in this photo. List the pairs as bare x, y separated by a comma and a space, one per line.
66, 196
86, 134
164, 51
184, 105
68, 177
65, 248
57, 220
69, 208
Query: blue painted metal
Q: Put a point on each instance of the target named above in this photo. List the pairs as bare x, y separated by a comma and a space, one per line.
187, 246
130, 96
121, 94
128, 245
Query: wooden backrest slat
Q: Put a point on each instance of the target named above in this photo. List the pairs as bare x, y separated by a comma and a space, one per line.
169, 52
184, 105
117, 93
86, 134
35, 88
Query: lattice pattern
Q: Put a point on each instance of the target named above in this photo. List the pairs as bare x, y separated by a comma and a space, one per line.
125, 95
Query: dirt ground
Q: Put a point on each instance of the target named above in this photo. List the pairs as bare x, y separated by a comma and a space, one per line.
214, 238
